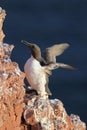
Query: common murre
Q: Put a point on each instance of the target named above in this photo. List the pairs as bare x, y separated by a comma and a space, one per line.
38, 75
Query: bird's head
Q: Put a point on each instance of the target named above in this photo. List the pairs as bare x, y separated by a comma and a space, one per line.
35, 50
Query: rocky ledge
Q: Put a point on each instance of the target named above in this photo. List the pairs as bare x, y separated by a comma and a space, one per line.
27, 111
45, 114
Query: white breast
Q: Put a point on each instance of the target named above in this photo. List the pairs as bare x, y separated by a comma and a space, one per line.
35, 75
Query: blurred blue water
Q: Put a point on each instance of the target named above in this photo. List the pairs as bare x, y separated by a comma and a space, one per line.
46, 23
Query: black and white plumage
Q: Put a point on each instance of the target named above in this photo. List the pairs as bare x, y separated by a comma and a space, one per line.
38, 75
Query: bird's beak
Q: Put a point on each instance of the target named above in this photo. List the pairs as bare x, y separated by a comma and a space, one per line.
26, 43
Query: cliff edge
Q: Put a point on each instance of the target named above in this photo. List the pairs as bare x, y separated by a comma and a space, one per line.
20, 107
11, 86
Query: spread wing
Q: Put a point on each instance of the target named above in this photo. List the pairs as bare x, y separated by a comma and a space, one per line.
56, 50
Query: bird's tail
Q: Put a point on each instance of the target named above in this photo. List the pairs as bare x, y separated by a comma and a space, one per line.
53, 66
66, 66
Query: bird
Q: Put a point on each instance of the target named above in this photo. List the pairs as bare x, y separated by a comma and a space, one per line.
38, 69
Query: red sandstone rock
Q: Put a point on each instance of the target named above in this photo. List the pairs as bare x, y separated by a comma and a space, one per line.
2, 17
11, 91
45, 114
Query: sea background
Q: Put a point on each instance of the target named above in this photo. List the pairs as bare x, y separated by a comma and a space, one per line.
48, 22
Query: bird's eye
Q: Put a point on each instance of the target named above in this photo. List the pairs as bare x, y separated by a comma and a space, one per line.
32, 46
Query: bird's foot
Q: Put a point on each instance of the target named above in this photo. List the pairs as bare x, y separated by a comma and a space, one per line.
34, 96
45, 96
37, 97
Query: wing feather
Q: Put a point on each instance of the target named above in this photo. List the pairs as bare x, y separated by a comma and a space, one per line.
56, 50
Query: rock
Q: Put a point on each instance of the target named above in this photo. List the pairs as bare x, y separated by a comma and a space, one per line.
11, 90
2, 17
45, 114
78, 124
